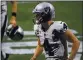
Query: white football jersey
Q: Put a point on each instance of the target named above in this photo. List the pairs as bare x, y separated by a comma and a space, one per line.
3, 12
51, 39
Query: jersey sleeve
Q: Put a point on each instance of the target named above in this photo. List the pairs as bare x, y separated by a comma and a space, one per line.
64, 27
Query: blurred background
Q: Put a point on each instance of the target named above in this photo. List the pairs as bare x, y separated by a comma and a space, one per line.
69, 12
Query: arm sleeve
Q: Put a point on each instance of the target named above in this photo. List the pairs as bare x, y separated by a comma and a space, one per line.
64, 27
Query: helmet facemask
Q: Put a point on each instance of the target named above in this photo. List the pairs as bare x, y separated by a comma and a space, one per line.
42, 17
37, 18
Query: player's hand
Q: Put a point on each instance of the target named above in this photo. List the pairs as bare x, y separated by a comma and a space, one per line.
33, 58
13, 21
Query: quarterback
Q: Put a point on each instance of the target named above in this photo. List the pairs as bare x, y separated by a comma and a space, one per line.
52, 35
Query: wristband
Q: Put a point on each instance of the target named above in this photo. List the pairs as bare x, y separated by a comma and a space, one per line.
13, 14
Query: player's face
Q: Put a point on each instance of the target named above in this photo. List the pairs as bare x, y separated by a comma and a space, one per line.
37, 18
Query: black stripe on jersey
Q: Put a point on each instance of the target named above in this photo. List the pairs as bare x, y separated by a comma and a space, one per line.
3, 27
48, 48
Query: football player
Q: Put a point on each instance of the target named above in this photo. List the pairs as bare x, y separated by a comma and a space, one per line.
4, 22
52, 35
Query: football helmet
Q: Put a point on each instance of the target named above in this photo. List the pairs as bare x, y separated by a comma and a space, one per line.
15, 33
44, 12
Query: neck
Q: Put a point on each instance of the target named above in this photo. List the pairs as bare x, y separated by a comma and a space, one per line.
46, 25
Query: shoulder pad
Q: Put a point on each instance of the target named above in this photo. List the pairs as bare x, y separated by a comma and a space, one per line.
60, 26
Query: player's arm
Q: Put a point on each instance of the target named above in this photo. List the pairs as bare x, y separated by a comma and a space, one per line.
14, 11
38, 51
75, 45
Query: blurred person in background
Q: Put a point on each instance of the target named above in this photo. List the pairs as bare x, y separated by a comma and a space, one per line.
4, 22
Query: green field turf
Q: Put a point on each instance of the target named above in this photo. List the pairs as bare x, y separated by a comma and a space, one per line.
25, 57
69, 12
